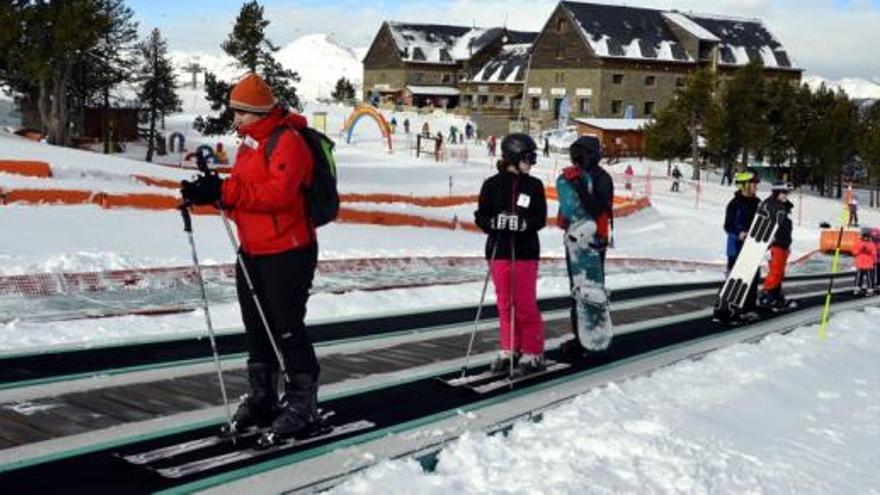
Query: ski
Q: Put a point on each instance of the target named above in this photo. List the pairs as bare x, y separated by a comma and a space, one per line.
203, 465
479, 377
508, 382
177, 449
184, 447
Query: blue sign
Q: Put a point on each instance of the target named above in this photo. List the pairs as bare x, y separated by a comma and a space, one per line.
564, 112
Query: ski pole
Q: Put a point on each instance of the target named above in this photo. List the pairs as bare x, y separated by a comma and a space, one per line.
187, 227
512, 300
826, 312
470, 348
202, 163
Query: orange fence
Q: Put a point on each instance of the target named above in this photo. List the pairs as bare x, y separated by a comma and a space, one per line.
828, 240
26, 168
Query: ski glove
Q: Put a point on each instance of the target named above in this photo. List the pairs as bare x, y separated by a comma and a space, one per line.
506, 221
205, 190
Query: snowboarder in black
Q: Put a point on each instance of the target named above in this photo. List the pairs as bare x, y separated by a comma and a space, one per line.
586, 153
512, 209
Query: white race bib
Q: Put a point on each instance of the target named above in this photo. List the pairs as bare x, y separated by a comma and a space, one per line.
523, 201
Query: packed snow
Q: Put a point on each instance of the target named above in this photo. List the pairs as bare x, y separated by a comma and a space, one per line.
791, 414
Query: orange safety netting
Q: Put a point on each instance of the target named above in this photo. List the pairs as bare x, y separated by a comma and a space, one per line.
26, 168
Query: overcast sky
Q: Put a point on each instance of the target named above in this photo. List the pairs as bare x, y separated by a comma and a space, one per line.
831, 38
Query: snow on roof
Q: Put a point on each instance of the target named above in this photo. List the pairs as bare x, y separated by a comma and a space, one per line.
438, 44
508, 67
614, 31
615, 124
690, 26
434, 90
627, 32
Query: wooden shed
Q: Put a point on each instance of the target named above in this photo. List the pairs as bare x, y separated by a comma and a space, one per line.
619, 137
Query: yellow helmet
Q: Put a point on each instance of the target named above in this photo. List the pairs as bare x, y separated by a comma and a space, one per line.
743, 177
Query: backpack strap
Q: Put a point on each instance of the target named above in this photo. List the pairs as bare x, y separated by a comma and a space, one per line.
272, 142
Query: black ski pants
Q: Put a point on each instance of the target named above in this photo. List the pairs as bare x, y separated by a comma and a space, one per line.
282, 282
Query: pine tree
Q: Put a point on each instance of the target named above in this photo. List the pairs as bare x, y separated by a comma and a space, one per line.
667, 137
739, 127
693, 107
781, 112
252, 51
869, 144
156, 85
344, 90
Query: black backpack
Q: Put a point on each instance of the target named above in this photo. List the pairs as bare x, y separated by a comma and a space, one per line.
322, 198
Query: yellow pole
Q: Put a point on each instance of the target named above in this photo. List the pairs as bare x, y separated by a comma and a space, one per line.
826, 313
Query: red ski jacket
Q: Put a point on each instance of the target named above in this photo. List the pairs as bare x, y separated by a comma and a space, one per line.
266, 198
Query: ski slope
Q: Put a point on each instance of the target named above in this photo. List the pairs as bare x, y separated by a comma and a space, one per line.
790, 414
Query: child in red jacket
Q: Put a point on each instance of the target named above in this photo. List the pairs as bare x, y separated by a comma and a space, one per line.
865, 252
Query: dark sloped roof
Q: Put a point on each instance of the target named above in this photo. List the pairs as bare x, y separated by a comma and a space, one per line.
627, 32
508, 67
441, 44
744, 36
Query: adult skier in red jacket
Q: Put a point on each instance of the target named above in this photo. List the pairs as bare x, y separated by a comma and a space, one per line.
264, 197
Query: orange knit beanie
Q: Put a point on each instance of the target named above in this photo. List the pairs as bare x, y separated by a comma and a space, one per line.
252, 94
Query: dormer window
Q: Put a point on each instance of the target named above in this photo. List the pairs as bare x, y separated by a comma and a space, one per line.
560, 25
418, 54
444, 55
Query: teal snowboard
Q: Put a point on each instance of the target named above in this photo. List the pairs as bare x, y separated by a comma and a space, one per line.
594, 326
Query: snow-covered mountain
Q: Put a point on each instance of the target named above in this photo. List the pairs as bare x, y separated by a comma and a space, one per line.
853, 86
319, 59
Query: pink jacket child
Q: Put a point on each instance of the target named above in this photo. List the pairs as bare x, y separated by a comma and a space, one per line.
866, 254
875, 233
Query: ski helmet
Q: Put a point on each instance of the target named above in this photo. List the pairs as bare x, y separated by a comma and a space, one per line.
517, 148
743, 177
586, 151
780, 187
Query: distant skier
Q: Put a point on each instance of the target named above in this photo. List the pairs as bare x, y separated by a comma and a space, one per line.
628, 175
265, 198
676, 179
512, 209
546, 147
406, 125
453, 135
738, 220
778, 208
438, 146
586, 155
865, 252
469, 131
854, 212
492, 144
393, 125
426, 129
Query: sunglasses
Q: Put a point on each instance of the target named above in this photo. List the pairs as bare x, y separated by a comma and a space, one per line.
530, 158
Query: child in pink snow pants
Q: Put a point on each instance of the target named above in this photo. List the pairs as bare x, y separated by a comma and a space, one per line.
512, 209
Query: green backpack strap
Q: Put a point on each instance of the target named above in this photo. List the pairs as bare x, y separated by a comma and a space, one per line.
273, 140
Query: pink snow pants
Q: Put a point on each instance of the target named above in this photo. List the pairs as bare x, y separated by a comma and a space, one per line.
529, 338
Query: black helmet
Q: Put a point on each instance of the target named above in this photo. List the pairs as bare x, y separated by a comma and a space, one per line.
518, 147
586, 151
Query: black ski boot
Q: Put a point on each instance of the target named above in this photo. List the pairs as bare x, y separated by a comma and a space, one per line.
529, 364
298, 417
502, 362
259, 407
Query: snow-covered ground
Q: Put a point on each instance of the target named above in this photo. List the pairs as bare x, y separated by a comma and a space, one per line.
790, 414
51, 239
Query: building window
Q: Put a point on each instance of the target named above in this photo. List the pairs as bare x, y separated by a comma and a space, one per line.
679, 82
536, 103
616, 107
482, 100
469, 101
650, 80
498, 101
418, 77
560, 25
584, 106
617, 79
515, 102
447, 78
649, 108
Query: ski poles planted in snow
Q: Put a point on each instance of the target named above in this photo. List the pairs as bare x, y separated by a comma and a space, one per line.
187, 227
202, 162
